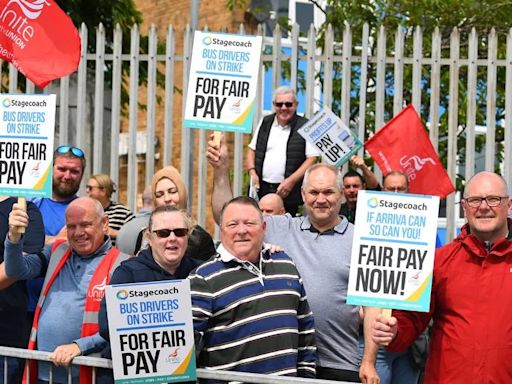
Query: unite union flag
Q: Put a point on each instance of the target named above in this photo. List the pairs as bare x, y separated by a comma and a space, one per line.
39, 39
403, 145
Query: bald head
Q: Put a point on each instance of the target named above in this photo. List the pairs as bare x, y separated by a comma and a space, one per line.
272, 204
486, 177
486, 205
147, 198
86, 225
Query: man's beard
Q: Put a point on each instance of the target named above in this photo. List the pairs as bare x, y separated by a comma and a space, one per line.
65, 190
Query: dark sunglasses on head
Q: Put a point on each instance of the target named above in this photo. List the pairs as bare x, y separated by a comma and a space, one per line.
288, 104
164, 233
74, 150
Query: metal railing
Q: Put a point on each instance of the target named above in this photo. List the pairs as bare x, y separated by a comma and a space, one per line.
97, 362
376, 66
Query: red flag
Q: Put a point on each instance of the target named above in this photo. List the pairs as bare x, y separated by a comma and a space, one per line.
39, 39
402, 144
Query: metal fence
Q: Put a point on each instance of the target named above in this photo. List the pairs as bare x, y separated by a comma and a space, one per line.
97, 362
376, 73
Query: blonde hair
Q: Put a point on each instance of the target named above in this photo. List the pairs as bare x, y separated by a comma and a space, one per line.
105, 182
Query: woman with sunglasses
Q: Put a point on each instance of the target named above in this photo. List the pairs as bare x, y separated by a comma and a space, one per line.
168, 189
168, 234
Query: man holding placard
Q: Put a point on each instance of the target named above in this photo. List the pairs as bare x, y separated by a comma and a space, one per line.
471, 339
319, 243
353, 182
76, 273
278, 155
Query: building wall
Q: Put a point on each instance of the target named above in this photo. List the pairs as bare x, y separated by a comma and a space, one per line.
214, 15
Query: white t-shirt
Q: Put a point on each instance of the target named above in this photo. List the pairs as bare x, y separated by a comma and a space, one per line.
275, 158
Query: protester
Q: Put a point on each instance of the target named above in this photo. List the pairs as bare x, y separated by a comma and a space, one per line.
147, 201
168, 189
168, 232
249, 306
13, 295
75, 274
353, 182
471, 342
272, 204
101, 187
68, 170
278, 155
320, 244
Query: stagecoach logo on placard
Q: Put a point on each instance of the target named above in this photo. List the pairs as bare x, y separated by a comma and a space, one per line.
373, 202
122, 294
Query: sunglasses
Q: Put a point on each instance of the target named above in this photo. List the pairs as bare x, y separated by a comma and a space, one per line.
91, 187
288, 104
74, 150
165, 233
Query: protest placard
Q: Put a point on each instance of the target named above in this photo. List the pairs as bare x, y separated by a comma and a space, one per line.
393, 250
223, 81
334, 139
27, 125
150, 328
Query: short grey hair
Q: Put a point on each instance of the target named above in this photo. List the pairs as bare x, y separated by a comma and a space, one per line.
332, 168
284, 90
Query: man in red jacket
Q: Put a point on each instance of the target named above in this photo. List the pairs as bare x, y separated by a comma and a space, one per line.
471, 303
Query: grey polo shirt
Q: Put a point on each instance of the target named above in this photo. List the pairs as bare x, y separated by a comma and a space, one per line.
323, 260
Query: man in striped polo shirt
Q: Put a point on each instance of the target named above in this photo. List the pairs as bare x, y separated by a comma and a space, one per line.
249, 306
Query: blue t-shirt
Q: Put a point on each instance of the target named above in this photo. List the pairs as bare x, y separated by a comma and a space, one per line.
53, 213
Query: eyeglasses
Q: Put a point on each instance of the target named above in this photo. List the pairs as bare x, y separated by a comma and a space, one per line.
165, 233
74, 150
492, 201
395, 189
280, 104
90, 187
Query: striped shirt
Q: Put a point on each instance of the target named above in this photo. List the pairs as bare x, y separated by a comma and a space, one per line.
118, 215
253, 318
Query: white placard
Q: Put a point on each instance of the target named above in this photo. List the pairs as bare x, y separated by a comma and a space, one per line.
331, 136
151, 335
27, 124
393, 250
224, 75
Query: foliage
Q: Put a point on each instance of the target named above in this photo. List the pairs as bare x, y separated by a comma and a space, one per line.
109, 13
426, 14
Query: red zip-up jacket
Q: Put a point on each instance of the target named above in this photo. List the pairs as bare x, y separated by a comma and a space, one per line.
471, 306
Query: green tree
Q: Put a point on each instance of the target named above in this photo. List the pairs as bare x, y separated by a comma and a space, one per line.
427, 14
110, 13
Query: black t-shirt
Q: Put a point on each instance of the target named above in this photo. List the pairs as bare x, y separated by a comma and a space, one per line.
13, 300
